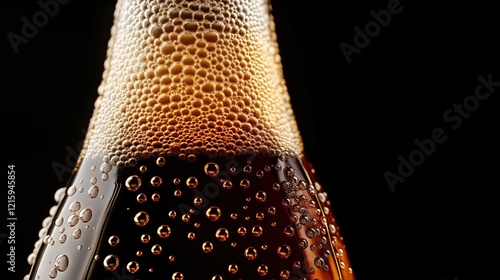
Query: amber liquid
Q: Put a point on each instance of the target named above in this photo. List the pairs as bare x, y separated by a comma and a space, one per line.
250, 217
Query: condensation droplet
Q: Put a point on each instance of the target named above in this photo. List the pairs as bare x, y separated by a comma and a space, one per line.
163, 231
251, 253
192, 182
74, 206
289, 231
207, 247
61, 262
257, 231
232, 268
156, 181
284, 251
93, 191
213, 213
111, 262
133, 267
211, 169
71, 190
222, 234
53, 273
245, 183
178, 276
133, 183
262, 270
113, 240
145, 238
72, 220
156, 249
141, 218
141, 198
285, 274
77, 233
86, 215
261, 196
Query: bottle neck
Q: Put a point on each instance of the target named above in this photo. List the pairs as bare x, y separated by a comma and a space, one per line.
183, 77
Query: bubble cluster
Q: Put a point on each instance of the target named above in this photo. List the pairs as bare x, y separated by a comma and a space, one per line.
185, 78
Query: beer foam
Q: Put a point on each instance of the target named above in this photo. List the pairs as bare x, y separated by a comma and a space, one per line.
186, 78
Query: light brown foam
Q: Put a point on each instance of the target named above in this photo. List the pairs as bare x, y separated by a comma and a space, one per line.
192, 78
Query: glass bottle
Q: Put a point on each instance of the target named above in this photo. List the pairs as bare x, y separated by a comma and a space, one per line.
193, 165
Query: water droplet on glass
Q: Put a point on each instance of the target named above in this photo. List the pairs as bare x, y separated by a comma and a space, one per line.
141, 218
111, 262
213, 213
211, 169
93, 191
284, 251
86, 215
163, 231
251, 253
207, 247
61, 262
133, 267
133, 183
262, 270
113, 240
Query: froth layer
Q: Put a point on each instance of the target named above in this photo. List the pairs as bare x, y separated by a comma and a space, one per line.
186, 77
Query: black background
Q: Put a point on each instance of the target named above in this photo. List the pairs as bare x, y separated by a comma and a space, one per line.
356, 118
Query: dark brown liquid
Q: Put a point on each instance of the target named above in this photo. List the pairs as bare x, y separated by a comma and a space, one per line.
250, 217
